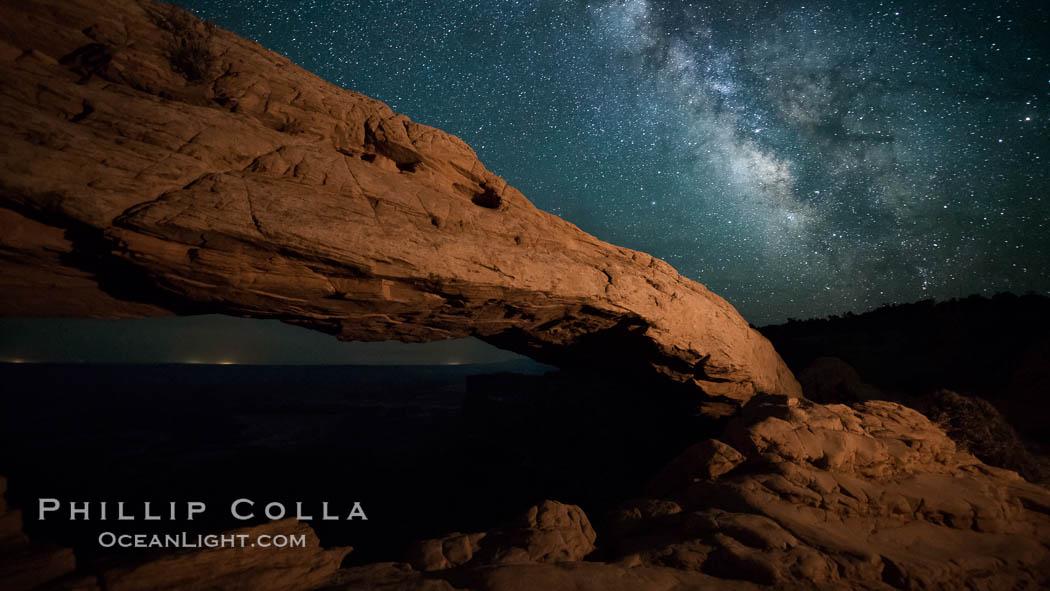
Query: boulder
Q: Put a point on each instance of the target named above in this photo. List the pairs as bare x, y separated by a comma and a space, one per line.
548, 532
868, 495
706, 460
831, 380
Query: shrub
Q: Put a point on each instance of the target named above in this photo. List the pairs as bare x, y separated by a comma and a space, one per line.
977, 426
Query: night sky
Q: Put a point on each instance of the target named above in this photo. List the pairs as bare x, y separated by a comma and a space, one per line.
800, 159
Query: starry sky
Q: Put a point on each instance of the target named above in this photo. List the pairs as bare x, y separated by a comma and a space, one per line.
799, 158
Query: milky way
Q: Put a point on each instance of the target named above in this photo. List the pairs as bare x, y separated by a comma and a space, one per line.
800, 159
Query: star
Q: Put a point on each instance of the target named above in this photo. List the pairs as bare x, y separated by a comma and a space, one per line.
778, 146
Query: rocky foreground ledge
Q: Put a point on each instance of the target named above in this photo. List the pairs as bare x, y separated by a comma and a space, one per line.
793, 495
152, 164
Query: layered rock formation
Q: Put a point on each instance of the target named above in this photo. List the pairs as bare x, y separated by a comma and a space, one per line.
974, 423
150, 163
797, 496
792, 495
992, 354
872, 494
550, 532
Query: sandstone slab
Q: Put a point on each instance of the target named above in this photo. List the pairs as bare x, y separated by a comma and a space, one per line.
871, 495
546, 533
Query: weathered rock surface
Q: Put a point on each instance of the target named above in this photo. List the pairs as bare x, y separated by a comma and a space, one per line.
233, 568
548, 532
867, 496
974, 423
797, 496
135, 180
708, 459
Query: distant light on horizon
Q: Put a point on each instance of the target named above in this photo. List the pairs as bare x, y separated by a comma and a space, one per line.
217, 340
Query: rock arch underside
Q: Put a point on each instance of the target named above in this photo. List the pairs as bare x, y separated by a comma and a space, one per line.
153, 165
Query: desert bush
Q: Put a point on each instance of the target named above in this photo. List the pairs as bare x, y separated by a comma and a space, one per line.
976, 425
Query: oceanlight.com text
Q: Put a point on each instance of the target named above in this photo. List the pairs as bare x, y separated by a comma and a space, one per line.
187, 540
